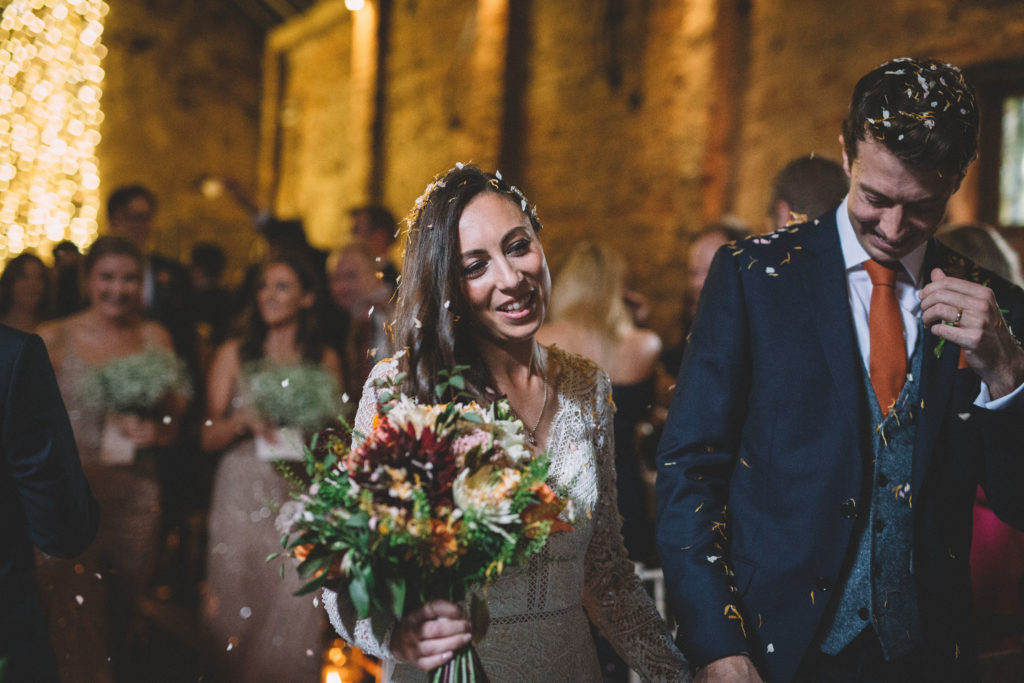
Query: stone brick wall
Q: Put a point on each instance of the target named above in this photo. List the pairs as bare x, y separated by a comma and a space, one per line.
632, 122
181, 100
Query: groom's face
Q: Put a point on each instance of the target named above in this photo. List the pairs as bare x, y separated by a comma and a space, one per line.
893, 208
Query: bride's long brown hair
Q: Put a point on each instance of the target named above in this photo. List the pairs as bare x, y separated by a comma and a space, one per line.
433, 323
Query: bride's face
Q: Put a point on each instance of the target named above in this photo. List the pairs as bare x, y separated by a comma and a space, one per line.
505, 276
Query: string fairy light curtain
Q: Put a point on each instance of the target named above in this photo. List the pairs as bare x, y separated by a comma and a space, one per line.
50, 86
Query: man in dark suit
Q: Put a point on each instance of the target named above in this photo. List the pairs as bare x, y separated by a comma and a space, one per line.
166, 288
847, 384
44, 500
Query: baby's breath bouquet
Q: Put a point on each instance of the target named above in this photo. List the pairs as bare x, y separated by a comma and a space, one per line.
139, 384
435, 502
297, 399
135, 384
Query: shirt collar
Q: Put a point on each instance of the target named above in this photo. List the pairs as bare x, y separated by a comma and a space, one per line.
854, 255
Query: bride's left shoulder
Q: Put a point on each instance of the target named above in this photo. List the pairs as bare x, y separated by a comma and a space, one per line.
573, 368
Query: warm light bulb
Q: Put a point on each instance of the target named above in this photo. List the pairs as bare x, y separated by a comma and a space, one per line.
354, 5
50, 88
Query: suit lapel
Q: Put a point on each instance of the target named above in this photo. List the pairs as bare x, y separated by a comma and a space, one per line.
936, 380
824, 280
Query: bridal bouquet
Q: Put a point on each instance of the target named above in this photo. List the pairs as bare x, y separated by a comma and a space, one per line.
436, 501
297, 399
135, 385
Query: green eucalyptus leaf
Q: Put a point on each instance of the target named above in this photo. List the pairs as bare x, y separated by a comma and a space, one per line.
360, 595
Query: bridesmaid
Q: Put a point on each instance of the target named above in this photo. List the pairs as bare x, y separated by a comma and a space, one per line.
255, 628
93, 603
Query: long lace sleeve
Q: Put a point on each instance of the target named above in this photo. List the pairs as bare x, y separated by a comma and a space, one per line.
338, 605
613, 595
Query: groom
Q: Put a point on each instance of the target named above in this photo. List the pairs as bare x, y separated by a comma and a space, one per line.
847, 384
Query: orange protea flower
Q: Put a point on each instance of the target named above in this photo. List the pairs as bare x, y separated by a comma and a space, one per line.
547, 510
301, 552
545, 493
445, 550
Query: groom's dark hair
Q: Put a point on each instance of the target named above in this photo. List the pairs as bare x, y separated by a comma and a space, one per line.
922, 110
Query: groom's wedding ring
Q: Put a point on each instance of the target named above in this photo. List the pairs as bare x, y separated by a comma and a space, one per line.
959, 316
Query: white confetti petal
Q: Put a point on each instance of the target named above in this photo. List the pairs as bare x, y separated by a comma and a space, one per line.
769, 270
770, 649
964, 416
344, 397
285, 382
79, 599
713, 558
208, 423
245, 612
167, 419
369, 314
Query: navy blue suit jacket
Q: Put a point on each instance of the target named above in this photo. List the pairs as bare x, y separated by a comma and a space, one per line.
764, 463
44, 500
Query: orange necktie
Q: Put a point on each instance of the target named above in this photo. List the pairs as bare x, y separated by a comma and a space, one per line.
888, 363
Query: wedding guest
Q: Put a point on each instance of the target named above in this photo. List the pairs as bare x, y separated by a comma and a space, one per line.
256, 630
847, 385
361, 312
475, 292
210, 300
699, 254
67, 263
24, 292
93, 603
375, 227
805, 188
44, 500
589, 318
165, 283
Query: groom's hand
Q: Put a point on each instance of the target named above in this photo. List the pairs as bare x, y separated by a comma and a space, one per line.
731, 669
967, 314
428, 636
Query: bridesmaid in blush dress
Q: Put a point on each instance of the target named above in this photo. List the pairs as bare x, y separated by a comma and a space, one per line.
255, 628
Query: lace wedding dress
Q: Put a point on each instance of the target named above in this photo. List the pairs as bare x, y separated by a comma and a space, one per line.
538, 630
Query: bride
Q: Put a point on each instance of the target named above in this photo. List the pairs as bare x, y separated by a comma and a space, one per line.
474, 292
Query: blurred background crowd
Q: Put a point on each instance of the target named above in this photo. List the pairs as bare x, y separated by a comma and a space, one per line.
243, 205
185, 552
